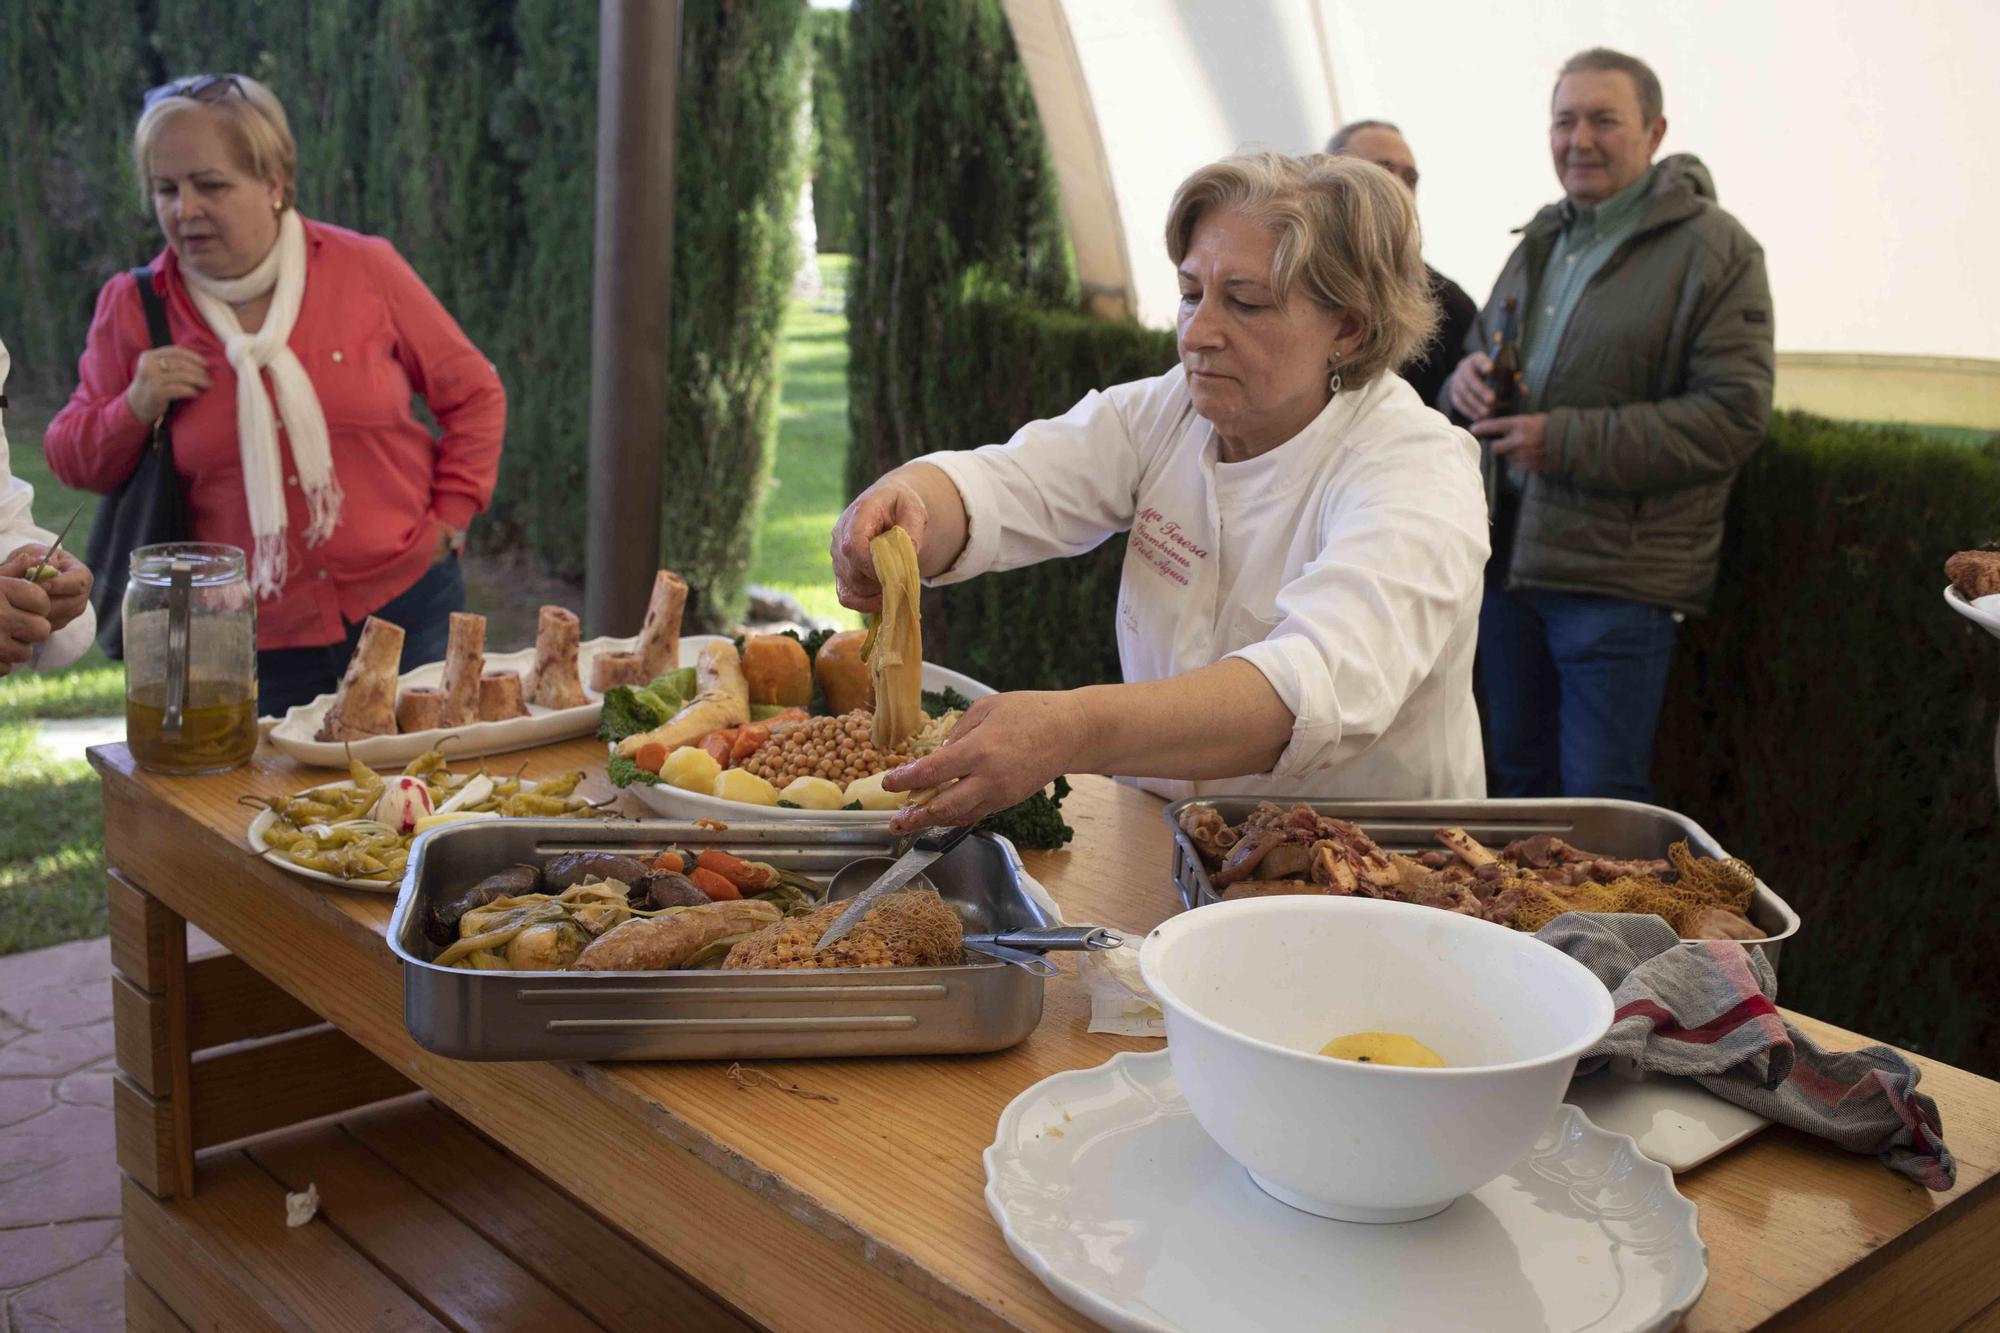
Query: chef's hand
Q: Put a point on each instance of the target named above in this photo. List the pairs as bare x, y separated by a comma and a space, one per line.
889, 503
1469, 391
24, 621
68, 589
1523, 439
161, 376
1006, 748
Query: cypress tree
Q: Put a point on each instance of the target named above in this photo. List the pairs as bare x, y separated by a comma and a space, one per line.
545, 124
836, 196
71, 76
954, 176
737, 159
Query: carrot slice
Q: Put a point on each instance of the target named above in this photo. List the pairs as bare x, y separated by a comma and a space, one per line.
650, 756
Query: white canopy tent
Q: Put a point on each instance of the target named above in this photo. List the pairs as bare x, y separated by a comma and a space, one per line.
1844, 136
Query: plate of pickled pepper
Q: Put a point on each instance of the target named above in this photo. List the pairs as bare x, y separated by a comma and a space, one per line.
357, 833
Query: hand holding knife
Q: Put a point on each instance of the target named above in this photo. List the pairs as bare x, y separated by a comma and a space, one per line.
46, 570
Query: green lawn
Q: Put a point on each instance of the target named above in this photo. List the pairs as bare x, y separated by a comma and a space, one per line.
808, 489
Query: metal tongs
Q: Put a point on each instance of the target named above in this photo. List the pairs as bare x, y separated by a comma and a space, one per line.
1023, 948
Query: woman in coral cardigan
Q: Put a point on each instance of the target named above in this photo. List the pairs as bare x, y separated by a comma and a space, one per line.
297, 348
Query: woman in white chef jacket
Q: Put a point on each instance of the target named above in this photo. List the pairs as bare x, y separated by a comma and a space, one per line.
1300, 598
47, 624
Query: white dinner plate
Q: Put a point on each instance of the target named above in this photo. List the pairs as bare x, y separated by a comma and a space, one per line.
1984, 613
1675, 1121
296, 734
1107, 1188
679, 803
260, 828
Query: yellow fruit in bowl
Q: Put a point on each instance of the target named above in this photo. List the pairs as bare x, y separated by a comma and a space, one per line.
740, 784
1383, 1048
868, 791
812, 794
692, 769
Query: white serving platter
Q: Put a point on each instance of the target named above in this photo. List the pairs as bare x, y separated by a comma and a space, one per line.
679, 803
1985, 612
295, 734
1675, 1121
1108, 1189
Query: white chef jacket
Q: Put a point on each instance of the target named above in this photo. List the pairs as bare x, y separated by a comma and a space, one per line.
1346, 565
17, 529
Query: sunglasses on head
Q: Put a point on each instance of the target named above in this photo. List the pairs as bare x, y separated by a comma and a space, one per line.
200, 87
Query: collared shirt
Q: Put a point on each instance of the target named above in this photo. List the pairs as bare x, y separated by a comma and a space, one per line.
1345, 564
370, 335
1589, 236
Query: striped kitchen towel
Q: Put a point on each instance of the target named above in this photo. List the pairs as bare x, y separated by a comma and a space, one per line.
1703, 1009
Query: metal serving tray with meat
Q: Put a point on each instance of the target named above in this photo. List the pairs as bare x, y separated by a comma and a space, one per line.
1623, 829
712, 1015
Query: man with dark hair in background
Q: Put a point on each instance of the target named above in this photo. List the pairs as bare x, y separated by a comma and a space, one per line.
1646, 369
1380, 142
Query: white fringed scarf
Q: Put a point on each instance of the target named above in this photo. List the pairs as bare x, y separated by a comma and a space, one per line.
283, 271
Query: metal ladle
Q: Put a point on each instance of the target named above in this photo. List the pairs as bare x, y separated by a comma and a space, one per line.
1022, 948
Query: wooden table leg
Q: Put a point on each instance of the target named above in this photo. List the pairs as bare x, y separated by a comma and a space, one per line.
152, 1096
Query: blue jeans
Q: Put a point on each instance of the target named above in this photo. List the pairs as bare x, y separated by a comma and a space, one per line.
287, 677
1573, 685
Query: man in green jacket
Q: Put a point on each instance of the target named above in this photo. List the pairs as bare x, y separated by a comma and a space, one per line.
1646, 366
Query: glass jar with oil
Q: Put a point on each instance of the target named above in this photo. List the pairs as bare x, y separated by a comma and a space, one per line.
190, 658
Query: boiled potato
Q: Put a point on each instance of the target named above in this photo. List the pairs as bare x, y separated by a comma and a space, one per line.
869, 792
1383, 1048
740, 784
812, 794
691, 768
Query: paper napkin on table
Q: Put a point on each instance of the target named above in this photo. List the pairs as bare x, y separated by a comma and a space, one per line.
1119, 1000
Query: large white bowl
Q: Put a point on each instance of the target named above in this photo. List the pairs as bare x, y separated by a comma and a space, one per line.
1251, 990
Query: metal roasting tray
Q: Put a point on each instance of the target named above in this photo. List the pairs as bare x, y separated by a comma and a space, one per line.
711, 1014
1625, 829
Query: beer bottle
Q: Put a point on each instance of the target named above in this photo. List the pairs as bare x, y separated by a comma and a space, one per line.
1505, 377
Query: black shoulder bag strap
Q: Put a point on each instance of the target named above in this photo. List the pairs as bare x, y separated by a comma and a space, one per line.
145, 509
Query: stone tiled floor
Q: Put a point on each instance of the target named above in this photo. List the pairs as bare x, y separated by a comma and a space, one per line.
61, 1262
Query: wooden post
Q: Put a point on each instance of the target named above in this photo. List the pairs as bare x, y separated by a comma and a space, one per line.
632, 299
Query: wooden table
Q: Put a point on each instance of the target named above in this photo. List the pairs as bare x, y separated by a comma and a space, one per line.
865, 1213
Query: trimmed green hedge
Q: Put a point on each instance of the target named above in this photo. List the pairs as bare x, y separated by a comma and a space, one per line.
1048, 626
465, 132
1832, 723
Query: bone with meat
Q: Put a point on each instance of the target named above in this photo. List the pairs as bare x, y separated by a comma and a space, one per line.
464, 661
612, 669
553, 681
366, 705
501, 696
659, 644
421, 708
